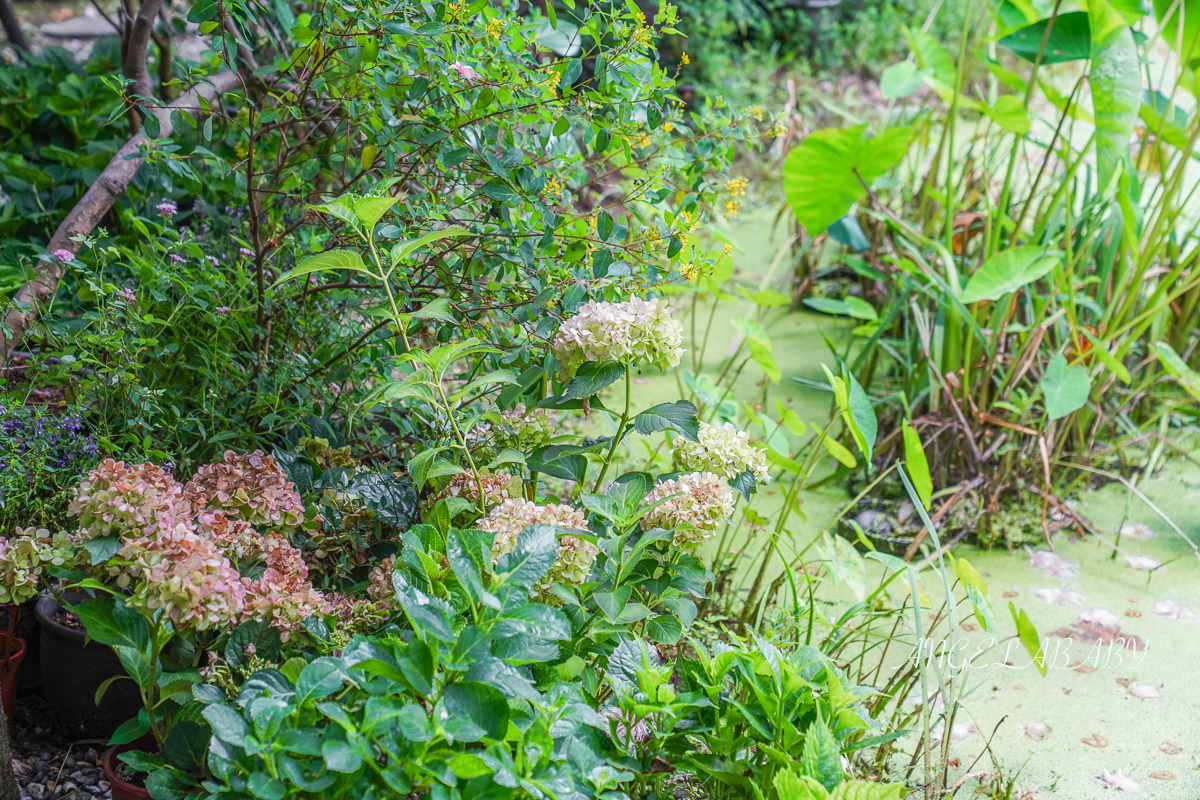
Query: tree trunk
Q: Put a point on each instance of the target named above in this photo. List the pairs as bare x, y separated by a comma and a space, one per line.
8, 779
111, 184
12, 27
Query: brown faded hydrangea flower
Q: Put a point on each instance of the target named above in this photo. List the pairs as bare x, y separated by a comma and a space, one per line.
250, 487
694, 506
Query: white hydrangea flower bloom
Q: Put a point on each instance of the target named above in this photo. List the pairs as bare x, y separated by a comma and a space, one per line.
703, 502
722, 449
575, 555
633, 332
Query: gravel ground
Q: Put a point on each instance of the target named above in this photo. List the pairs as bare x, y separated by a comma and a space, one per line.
49, 767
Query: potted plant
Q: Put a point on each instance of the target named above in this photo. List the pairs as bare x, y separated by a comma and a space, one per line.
166, 570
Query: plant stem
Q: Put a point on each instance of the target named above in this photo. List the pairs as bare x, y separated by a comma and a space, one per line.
612, 448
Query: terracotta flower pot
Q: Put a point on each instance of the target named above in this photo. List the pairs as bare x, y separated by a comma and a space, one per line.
72, 672
8, 673
122, 789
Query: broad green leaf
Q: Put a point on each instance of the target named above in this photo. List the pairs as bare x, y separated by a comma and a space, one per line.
186, 744
370, 210
535, 551
1116, 83
820, 758
819, 177
918, 465
931, 56
850, 306
321, 678
1008, 271
435, 309
1108, 359
983, 610
328, 261
1028, 635
900, 80
664, 629
1009, 113
1188, 378
1066, 389
864, 425
679, 416
789, 786
403, 249
867, 790
1070, 39
762, 356
751, 330
340, 756
476, 710
839, 452
109, 621
591, 377
227, 724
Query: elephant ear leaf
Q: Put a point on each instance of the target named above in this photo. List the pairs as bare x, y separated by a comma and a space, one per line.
1116, 83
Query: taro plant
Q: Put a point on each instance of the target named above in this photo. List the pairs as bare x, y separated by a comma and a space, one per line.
1016, 323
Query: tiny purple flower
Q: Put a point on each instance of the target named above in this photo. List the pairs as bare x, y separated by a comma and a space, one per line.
128, 296
178, 259
213, 260
167, 208
64, 255
335, 388
222, 310
465, 72
246, 251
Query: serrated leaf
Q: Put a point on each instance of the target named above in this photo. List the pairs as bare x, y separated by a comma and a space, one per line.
591, 377
329, 261
820, 758
664, 629
679, 416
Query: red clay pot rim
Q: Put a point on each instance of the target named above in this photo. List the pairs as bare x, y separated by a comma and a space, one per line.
110, 771
14, 656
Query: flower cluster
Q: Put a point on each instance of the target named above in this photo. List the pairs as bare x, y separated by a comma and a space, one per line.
576, 554
497, 488
722, 449
632, 332
524, 429
120, 498
380, 587
185, 574
282, 594
248, 487
57, 443
20, 566
694, 505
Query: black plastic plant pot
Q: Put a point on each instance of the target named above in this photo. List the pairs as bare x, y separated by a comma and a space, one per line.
72, 672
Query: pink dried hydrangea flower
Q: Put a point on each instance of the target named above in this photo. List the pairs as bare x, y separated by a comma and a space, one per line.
632, 332
380, 589
115, 497
576, 554
282, 594
702, 502
62, 254
186, 575
249, 487
497, 487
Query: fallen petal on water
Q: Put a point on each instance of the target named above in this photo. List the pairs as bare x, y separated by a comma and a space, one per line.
1170, 749
1095, 740
1162, 776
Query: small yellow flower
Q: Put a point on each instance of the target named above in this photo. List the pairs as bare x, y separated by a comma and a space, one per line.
756, 112
495, 27
640, 37
668, 127
643, 141
241, 149
689, 271
732, 207
728, 249
779, 130
554, 187
685, 60
736, 186
689, 221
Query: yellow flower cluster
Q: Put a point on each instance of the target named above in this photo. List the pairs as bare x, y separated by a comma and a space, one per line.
736, 186
456, 10
756, 112
779, 130
688, 221
554, 187
643, 140
732, 207
728, 249
495, 27
668, 127
689, 271
685, 60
